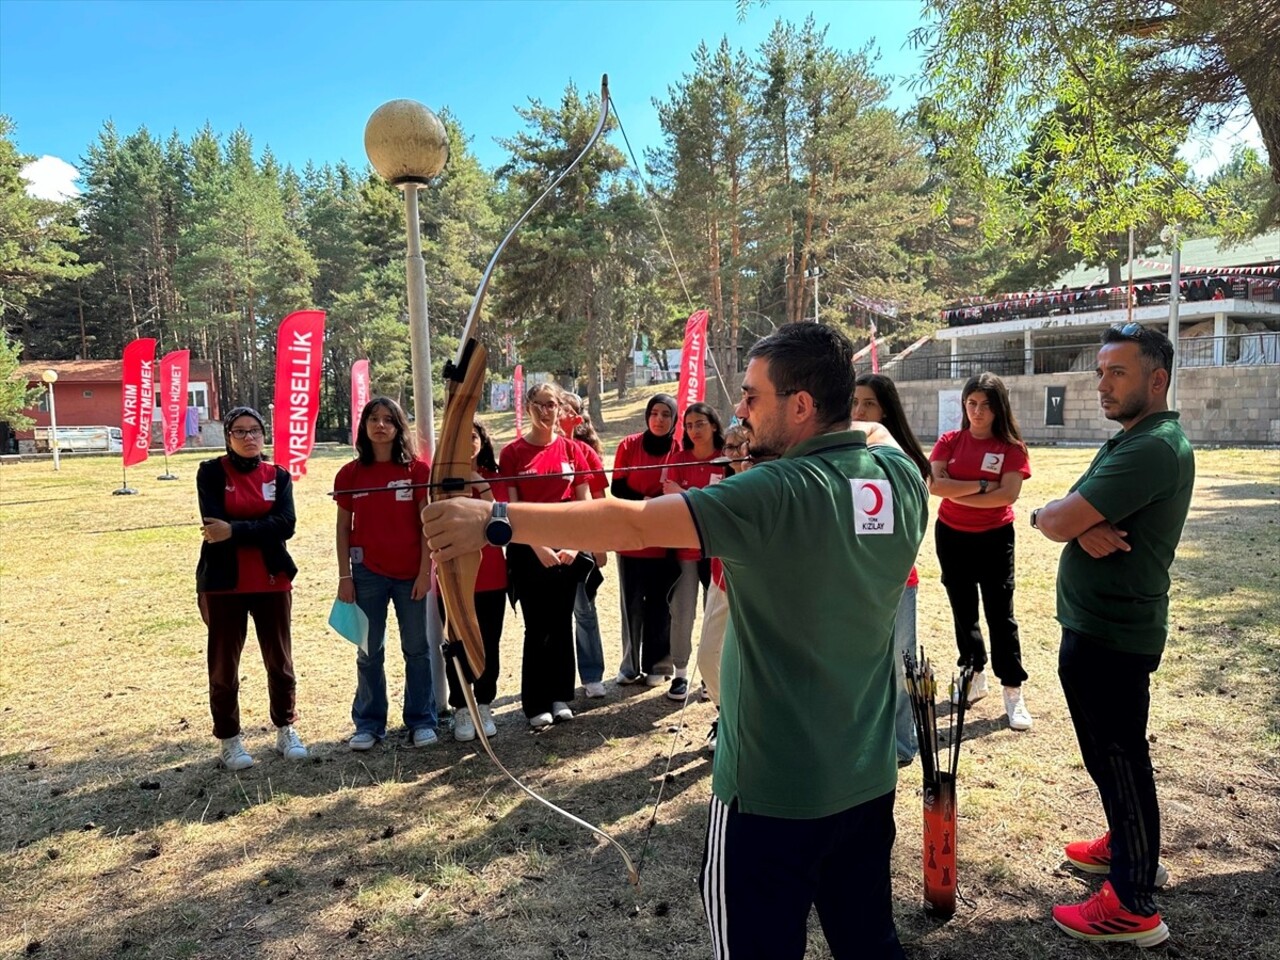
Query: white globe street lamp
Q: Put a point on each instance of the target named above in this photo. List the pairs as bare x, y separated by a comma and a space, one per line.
408, 145
51, 377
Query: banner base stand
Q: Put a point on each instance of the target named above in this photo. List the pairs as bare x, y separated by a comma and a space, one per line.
167, 476
124, 492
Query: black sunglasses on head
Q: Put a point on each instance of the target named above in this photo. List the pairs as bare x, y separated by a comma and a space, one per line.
1133, 330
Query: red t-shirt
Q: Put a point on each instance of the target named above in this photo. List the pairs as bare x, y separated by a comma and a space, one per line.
250, 496
536, 468
695, 473
493, 562
596, 480
969, 459
385, 526
647, 483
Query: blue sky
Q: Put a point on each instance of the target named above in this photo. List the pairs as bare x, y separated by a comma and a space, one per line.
303, 78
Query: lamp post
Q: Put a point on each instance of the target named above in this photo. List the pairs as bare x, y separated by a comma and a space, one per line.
408, 145
1170, 236
813, 273
51, 377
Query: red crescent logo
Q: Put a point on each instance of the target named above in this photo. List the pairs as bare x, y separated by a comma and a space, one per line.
879, 498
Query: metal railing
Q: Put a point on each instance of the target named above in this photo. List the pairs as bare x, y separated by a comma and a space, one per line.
1242, 349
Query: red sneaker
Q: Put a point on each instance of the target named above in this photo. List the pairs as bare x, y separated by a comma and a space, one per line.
1103, 919
1094, 856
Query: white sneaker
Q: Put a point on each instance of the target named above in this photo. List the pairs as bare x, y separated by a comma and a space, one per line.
593, 690
362, 741
561, 711
486, 720
426, 737
289, 744
233, 754
655, 679
1016, 708
540, 721
977, 689
464, 728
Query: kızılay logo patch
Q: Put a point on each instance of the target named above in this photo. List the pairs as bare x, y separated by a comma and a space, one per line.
872, 506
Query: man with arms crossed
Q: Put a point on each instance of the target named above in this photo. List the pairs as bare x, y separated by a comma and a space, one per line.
816, 547
1121, 523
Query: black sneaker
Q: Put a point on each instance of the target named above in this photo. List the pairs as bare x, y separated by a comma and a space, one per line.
679, 689
711, 735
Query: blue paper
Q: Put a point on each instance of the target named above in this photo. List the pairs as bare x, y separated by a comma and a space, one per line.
350, 623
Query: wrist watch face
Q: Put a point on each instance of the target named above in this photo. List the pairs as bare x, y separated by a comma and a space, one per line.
498, 530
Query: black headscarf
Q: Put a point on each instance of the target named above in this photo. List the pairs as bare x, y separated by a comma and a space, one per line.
243, 464
654, 445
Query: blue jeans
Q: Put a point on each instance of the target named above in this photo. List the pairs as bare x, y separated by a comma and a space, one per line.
374, 593
587, 638
904, 641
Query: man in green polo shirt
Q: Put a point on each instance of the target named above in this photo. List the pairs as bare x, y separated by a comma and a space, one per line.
1121, 523
816, 546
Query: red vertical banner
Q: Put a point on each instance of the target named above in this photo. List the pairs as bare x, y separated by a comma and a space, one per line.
875, 359
359, 394
693, 366
517, 388
174, 372
299, 347
138, 399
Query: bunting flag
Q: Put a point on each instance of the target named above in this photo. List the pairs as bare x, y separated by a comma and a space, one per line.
359, 394
138, 399
518, 389
299, 350
174, 371
693, 366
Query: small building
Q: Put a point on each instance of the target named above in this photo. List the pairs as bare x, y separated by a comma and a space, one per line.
88, 394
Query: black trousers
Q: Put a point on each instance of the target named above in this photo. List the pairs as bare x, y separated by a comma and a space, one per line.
1109, 696
973, 562
546, 596
762, 875
491, 611
645, 584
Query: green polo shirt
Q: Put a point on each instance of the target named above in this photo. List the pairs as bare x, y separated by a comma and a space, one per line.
816, 547
1141, 482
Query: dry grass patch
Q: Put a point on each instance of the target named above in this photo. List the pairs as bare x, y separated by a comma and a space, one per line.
122, 839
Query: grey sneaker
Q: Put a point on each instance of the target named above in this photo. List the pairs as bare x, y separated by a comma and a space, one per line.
464, 728
593, 690
362, 741
561, 711
426, 737
626, 679
486, 720
289, 744
233, 755
540, 721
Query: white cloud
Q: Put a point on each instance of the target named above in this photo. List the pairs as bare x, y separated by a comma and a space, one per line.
1207, 153
51, 178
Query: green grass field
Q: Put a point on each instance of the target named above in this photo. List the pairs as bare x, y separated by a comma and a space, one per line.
121, 838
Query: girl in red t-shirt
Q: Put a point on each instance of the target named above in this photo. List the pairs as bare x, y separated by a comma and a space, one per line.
491, 601
703, 441
545, 580
383, 560
978, 472
246, 506
876, 400
646, 577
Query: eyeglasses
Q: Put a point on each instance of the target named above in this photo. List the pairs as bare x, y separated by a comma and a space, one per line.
696, 424
544, 404
750, 398
253, 433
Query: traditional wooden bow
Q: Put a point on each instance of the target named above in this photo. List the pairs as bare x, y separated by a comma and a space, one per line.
464, 378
